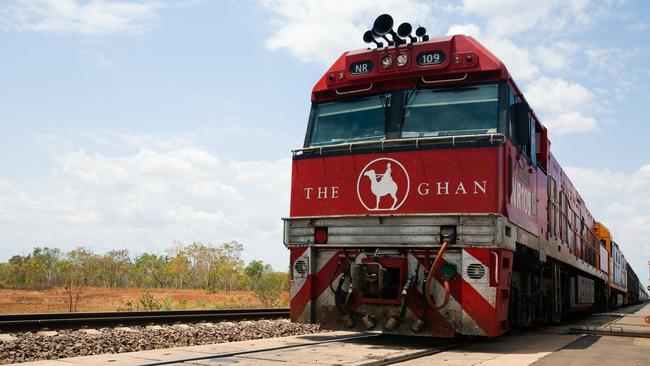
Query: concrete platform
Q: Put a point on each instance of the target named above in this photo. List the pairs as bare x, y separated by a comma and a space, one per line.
609, 350
541, 347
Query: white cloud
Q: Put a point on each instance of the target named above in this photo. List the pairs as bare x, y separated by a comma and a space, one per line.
561, 105
609, 59
147, 141
556, 56
94, 17
558, 95
469, 29
319, 31
517, 59
570, 122
145, 200
261, 174
622, 202
507, 17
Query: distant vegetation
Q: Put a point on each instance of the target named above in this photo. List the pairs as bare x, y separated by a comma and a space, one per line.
196, 266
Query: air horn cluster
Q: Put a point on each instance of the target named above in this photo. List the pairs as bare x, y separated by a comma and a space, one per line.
384, 25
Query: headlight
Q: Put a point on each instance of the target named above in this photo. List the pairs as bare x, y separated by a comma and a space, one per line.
402, 59
386, 62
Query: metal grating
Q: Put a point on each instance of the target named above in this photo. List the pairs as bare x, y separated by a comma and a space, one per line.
301, 268
475, 271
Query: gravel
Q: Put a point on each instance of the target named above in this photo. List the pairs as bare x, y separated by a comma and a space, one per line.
73, 343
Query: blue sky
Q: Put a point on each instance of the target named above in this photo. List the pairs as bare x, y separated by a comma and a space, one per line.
135, 124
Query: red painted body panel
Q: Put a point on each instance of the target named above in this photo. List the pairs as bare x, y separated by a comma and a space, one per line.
485, 66
432, 181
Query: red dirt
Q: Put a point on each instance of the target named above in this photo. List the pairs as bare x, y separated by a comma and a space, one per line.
106, 299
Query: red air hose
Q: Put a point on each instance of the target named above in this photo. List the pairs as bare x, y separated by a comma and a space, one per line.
434, 268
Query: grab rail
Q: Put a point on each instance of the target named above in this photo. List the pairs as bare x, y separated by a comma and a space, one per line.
443, 80
490, 137
354, 91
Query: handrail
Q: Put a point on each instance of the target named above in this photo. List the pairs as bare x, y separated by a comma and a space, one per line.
354, 91
491, 137
496, 267
443, 80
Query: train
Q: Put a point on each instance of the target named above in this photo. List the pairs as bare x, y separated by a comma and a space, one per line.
426, 200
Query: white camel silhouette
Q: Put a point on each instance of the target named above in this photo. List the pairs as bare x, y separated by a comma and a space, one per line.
382, 185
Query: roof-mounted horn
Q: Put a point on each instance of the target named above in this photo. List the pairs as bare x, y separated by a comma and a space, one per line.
368, 37
404, 31
384, 25
421, 33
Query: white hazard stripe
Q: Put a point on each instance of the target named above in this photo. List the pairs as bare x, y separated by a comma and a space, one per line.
453, 312
323, 258
481, 285
327, 296
300, 277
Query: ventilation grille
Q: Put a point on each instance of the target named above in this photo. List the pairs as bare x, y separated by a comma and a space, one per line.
301, 268
475, 271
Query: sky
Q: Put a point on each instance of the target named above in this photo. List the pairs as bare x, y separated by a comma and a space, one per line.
144, 124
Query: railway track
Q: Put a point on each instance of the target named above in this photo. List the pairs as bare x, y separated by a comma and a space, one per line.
419, 349
38, 321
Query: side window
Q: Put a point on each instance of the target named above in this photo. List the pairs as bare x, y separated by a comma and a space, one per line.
552, 206
532, 142
561, 216
523, 136
565, 218
513, 99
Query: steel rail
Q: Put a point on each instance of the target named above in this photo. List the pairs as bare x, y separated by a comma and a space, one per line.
415, 355
29, 322
429, 351
257, 350
612, 330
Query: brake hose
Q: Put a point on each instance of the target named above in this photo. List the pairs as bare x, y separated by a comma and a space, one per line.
434, 268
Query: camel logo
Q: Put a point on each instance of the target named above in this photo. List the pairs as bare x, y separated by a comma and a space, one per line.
383, 185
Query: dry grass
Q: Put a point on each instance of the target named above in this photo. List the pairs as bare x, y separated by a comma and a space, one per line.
106, 299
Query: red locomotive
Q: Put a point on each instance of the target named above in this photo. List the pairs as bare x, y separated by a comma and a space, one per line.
426, 199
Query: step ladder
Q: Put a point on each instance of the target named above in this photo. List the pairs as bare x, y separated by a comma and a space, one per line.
557, 293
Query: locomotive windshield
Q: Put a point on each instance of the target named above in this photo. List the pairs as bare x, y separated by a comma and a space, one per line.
426, 112
449, 111
350, 121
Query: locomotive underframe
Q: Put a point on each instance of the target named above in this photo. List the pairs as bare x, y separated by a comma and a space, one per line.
535, 279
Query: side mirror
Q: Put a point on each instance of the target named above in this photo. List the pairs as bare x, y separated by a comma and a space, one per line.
519, 114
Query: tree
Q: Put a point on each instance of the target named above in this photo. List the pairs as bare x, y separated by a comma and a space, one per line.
115, 267
229, 266
269, 287
254, 271
87, 264
4, 274
150, 270
17, 276
40, 267
70, 274
203, 259
179, 270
